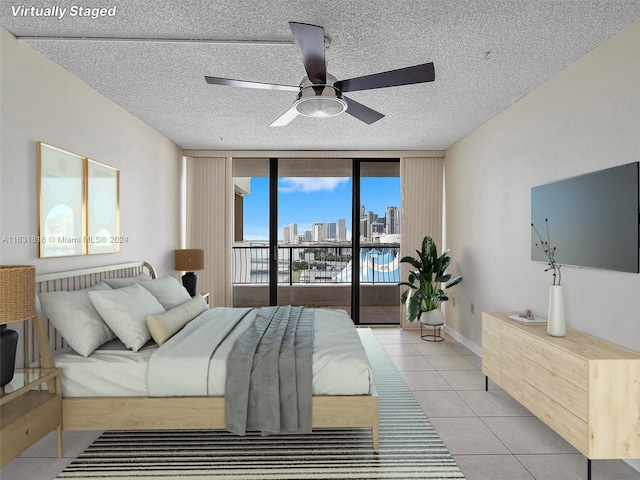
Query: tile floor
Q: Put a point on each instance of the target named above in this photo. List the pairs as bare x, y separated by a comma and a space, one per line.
491, 436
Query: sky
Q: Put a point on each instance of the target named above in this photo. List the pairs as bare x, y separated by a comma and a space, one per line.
304, 200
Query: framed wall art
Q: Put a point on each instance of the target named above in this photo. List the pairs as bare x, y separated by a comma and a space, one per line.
103, 208
61, 206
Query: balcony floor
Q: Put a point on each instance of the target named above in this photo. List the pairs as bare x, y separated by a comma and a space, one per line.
375, 314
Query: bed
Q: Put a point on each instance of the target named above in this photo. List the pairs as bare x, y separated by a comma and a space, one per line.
111, 404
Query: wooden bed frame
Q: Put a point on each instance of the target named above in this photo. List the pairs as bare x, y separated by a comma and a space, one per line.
171, 413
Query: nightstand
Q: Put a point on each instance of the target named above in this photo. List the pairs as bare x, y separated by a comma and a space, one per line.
28, 412
206, 297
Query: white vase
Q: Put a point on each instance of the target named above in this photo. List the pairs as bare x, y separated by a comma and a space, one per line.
556, 325
433, 317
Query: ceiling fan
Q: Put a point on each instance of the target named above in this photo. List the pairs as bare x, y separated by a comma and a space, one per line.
320, 94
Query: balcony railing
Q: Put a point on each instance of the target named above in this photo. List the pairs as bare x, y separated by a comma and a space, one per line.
317, 263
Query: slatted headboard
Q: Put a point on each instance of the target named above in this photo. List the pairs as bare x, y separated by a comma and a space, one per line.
68, 281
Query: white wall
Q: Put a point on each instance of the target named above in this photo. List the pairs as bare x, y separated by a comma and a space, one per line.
584, 119
41, 101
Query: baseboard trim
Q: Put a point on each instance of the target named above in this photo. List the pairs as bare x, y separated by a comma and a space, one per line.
635, 464
463, 340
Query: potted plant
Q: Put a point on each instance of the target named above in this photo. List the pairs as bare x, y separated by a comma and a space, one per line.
427, 284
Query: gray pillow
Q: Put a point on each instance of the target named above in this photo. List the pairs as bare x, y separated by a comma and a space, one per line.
76, 319
169, 291
125, 311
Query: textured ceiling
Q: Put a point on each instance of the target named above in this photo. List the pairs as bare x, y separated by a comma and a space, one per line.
487, 55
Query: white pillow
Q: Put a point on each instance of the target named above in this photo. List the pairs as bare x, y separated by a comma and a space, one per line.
169, 292
125, 282
75, 317
167, 324
125, 311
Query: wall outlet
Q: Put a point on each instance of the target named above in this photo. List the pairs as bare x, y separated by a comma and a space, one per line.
473, 308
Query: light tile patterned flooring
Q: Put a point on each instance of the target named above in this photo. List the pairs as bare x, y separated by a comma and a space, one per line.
491, 436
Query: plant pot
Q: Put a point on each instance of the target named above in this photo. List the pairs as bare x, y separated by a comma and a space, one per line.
432, 317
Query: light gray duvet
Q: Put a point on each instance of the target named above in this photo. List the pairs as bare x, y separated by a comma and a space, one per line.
269, 374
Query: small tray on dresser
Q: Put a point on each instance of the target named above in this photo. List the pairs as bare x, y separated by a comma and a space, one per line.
529, 321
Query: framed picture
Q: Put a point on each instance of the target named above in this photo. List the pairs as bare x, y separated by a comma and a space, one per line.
61, 206
103, 208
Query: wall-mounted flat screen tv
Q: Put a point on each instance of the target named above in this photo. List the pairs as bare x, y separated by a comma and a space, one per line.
593, 219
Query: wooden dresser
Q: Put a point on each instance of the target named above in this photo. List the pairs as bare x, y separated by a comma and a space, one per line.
584, 388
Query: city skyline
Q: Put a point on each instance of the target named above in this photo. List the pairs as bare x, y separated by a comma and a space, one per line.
371, 226
309, 200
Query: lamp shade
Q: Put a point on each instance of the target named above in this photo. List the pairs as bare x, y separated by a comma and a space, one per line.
17, 293
188, 260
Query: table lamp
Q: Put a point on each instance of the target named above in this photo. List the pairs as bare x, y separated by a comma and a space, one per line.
17, 303
188, 260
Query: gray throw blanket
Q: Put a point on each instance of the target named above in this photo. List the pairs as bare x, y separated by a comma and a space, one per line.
269, 374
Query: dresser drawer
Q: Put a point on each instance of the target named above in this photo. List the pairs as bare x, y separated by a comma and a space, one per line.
565, 423
571, 397
570, 367
20, 432
511, 361
490, 335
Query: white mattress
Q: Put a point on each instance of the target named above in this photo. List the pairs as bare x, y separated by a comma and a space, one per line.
340, 364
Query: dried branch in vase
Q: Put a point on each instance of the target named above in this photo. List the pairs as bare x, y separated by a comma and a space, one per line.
549, 251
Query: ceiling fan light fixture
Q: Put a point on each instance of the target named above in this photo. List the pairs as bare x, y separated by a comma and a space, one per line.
320, 106
319, 100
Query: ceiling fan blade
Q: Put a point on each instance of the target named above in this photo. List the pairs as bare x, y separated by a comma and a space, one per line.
310, 42
285, 118
362, 112
244, 84
393, 78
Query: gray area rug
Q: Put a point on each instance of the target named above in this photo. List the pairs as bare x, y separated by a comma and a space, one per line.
410, 448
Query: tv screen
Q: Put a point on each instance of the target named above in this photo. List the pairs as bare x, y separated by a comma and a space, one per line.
593, 219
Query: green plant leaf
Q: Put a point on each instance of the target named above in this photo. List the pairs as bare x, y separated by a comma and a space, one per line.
414, 263
453, 282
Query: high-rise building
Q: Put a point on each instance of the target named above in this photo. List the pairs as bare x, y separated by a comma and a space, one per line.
393, 220
371, 219
329, 231
290, 233
342, 230
364, 228
317, 232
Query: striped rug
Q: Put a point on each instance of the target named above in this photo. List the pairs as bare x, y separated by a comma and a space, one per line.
409, 446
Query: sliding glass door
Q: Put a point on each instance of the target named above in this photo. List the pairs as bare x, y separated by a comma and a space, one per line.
379, 241
251, 257
319, 233
314, 232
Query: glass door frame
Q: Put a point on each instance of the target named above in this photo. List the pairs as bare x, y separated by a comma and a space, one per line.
273, 231
355, 231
